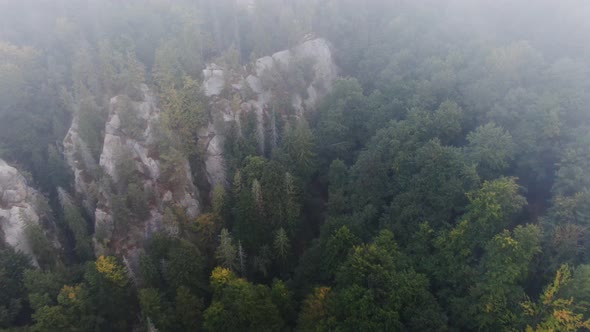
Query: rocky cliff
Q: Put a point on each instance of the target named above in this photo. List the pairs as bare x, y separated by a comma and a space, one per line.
22, 211
299, 78
131, 146
131, 134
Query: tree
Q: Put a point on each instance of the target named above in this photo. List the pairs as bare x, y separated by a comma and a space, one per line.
298, 147
282, 298
108, 267
431, 186
184, 113
460, 268
552, 311
132, 124
575, 160
155, 309
13, 293
43, 287
491, 148
492, 207
314, 315
239, 305
208, 226
218, 200
51, 318
77, 225
281, 245
579, 288
566, 226
226, 252
106, 283
336, 250
412, 151
292, 203
337, 186
376, 291
186, 268
505, 265
189, 310
340, 130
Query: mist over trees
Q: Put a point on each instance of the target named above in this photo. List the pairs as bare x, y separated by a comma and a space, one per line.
441, 185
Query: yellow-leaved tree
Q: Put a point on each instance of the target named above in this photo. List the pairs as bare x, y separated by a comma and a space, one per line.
553, 312
112, 270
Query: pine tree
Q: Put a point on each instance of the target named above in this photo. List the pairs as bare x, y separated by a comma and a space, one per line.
281, 245
226, 252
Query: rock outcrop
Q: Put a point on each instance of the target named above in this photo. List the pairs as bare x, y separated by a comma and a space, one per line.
82, 164
131, 132
253, 90
20, 209
137, 143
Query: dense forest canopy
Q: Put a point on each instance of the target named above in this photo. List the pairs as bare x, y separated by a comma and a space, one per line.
440, 183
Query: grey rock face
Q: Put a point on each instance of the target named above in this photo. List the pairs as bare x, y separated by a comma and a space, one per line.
83, 165
213, 80
19, 207
137, 146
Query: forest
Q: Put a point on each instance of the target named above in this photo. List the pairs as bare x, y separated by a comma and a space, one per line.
294, 165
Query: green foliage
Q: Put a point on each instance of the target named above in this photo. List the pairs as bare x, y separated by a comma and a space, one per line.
183, 314
150, 302
184, 112
297, 147
91, 121
106, 283
412, 151
132, 124
375, 291
188, 309
13, 293
41, 246
218, 200
574, 163
566, 228
341, 128
77, 225
284, 79
505, 265
434, 98
93, 303
281, 245
337, 186
123, 72
240, 306
314, 314
43, 287
185, 268
173, 281
431, 187
491, 148
336, 249
491, 209
554, 312
226, 253
579, 288
263, 206
283, 300
485, 286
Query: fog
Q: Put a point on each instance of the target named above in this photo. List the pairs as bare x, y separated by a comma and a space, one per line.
294, 165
